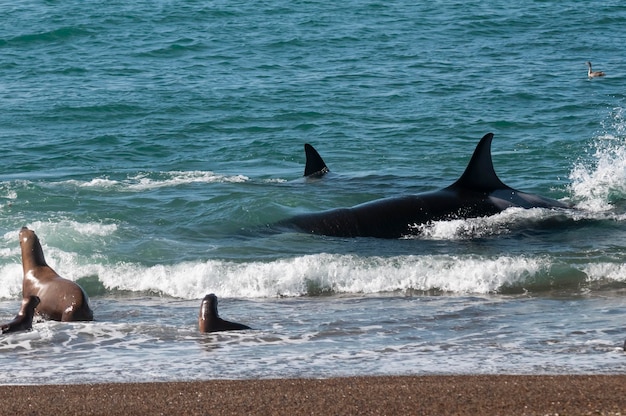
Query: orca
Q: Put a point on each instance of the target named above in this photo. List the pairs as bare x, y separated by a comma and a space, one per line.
315, 166
477, 193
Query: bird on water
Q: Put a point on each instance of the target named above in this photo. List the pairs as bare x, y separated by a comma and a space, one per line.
593, 74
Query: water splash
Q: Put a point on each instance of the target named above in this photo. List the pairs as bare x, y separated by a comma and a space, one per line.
599, 183
501, 223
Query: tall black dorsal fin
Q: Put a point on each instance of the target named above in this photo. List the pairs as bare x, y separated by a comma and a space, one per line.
315, 165
479, 174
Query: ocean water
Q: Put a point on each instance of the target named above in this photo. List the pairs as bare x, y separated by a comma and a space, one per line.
151, 144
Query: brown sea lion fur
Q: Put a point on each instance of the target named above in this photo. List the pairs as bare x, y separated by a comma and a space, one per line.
61, 299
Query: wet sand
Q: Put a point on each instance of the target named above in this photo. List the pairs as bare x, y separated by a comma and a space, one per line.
428, 395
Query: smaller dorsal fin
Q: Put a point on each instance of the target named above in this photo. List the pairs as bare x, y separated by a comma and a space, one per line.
315, 165
479, 174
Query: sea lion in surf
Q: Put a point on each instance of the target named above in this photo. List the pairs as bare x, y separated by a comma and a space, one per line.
24, 319
60, 299
209, 320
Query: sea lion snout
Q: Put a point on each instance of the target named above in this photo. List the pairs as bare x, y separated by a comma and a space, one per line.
25, 234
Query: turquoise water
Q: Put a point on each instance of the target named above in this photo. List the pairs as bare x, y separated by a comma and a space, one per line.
151, 144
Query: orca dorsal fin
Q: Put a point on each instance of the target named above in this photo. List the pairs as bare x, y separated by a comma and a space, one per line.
479, 174
315, 165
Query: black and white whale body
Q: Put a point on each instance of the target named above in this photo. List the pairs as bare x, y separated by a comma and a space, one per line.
477, 193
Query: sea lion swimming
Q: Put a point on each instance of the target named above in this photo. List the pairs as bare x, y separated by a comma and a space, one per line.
24, 319
60, 299
209, 320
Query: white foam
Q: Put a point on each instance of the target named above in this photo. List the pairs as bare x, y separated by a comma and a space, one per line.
11, 281
64, 227
153, 180
10, 194
497, 224
142, 182
307, 275
7, 194
611, 271
96, 183
321, 273
19, 340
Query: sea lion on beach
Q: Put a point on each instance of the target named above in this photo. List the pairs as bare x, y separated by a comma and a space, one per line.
209, 320
24, 319
61, 299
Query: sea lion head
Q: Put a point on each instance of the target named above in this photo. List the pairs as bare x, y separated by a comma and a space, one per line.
32, 253
208, 308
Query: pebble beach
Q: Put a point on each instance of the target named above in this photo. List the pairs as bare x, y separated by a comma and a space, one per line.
388, 395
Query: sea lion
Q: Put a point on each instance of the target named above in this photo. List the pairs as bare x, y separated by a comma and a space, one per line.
209, 320
24, 319
61, 299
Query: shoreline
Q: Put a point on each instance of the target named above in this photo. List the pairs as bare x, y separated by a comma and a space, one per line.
364, 395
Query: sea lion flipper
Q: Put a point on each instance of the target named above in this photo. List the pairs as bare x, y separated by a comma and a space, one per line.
24, 319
